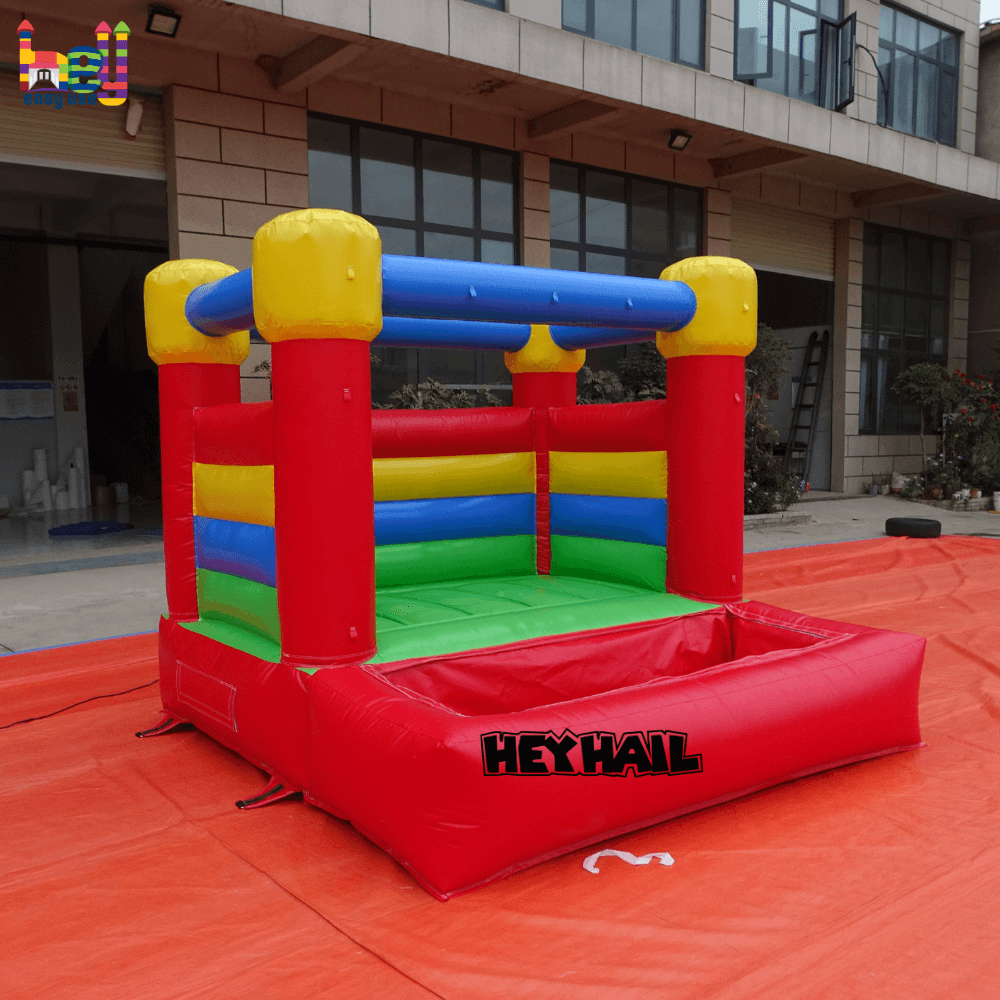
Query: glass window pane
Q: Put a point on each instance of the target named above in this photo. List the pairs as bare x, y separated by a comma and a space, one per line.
654, 28
451, 367
906, 30
613, 22
941, 268
949, 49
869, 301
647, 268
947, 109
929, 36
890, 312
916, 314
871, 255
918, 264
448, 246
886, 21
605, 263
751, 38
398, 241
574, 15
939, 317
690, 28
330, 165
497, 191
650, 217
778, 80
564, 260
926, 123
605, 209
564, 202
387, 174
885, 66
802, 76
902, 86
687, 223
447, 183
868, 407
831, 9
891, 270
497, 252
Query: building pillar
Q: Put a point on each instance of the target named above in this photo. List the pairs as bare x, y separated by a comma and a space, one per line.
67, 364
535, 219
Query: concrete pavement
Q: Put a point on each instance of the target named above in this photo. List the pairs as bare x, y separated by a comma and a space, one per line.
45, 608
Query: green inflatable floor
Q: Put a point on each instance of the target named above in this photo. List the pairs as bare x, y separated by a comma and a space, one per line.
433, 619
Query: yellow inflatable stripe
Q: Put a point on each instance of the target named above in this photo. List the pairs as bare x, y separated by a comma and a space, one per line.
454, 476
609, 473
235, 492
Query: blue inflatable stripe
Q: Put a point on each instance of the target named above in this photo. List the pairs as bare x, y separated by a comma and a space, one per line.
244, 550
622, 519
401, 521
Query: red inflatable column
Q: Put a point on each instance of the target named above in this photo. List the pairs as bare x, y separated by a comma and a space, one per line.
317, 282
194, 370
705, 428
544, 375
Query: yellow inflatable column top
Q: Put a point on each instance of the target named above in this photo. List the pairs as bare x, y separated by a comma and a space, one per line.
170, 338
726, 319
542, 354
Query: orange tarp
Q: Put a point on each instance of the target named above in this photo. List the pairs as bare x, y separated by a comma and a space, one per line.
127, 872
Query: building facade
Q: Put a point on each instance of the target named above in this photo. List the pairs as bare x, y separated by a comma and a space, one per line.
833, 146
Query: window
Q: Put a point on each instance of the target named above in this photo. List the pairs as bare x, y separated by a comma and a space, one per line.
799, 48
669, 29
904, 319
429, 197
494, 4
918, 63
616, 224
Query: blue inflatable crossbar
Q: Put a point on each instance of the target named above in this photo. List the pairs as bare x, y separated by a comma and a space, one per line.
448, 303
500, 293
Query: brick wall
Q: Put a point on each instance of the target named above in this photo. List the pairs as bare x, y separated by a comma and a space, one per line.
535, 208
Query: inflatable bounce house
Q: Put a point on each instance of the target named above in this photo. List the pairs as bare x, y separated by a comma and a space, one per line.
484, 637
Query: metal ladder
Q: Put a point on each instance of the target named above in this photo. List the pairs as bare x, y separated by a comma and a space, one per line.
798, 452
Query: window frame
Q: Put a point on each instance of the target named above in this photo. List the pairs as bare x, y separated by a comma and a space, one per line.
627, 254
398, 360
418, 224
500, 5
871, 354
675, 35
832, 38
886, 98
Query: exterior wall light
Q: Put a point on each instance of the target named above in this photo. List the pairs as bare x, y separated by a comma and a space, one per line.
162, 21
678, 139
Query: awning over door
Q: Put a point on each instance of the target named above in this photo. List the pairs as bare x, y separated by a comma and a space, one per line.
776, 239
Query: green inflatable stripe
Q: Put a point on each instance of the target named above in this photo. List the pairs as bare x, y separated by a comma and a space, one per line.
441, 638
238, 637
453, 559
602, 559
244, 603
